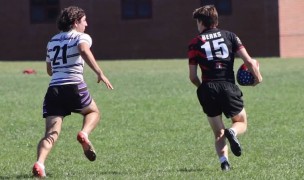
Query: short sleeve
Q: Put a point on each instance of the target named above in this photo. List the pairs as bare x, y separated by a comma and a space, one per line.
85, 38
237, 43
193, 52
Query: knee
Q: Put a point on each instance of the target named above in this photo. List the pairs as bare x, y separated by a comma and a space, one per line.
92, 108
96, 111
240, 118
245, 127
98, 114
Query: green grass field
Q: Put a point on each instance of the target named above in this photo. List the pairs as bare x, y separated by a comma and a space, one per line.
152, 126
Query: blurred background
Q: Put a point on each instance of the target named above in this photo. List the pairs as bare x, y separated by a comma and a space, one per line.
152, 29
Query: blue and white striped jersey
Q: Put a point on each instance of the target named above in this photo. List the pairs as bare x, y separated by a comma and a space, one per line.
63, 54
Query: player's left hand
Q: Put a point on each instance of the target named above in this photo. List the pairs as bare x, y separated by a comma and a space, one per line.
104, 79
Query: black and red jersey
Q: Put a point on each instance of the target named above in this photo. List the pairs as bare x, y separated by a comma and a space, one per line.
214, 51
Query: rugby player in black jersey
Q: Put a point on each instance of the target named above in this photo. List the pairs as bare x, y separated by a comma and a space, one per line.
214, 50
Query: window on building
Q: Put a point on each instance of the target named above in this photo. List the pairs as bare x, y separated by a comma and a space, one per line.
44, 11
224, 7
136, 9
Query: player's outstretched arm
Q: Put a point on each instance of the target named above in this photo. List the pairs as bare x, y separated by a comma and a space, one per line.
252, 65
89, 58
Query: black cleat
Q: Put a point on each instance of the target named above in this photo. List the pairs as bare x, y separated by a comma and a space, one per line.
234, 142
225, 166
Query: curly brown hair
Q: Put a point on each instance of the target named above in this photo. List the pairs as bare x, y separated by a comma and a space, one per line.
68, 16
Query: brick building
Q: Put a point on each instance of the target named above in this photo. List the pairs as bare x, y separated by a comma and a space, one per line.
136, 29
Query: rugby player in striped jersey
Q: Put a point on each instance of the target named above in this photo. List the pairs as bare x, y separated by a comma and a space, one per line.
67, 53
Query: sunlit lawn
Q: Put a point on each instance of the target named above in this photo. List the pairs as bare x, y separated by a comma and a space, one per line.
152, 125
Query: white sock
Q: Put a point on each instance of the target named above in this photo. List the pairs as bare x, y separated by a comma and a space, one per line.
223, 159
234, 131
40, 164
85, 133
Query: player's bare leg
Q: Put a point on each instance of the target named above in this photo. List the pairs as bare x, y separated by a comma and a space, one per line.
239, 122
221, 148
239, 126
52, 131
91, 119
53, 128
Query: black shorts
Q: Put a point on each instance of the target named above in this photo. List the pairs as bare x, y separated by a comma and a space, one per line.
220, 97
62, 100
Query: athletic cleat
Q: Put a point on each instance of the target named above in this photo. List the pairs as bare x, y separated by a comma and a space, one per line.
87, 146
225, 166
38, 170
234, 143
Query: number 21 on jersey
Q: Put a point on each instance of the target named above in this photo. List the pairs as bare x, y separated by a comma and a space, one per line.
63, 54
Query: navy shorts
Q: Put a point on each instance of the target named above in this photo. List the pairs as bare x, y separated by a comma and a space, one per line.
62, 100
220, 97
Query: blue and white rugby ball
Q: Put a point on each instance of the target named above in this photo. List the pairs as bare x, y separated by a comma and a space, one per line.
244, 76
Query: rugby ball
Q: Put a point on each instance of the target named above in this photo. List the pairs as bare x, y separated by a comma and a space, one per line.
244, 76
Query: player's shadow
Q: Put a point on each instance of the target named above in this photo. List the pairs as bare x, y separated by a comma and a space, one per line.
27, 176
183, 170
113, 173
21, 176
49, 175
189, 170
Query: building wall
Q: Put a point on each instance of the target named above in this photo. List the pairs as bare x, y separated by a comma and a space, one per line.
166, 35
20, 39
256, 23
291, 28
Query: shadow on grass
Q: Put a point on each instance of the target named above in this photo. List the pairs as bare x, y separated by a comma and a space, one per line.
189, 170
113, 173
27, 176
183, 170
22, 176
